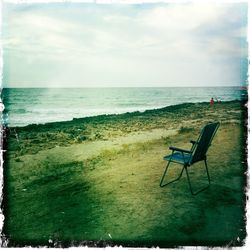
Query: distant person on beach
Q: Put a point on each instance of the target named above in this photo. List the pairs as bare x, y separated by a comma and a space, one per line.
217, 100
212, 101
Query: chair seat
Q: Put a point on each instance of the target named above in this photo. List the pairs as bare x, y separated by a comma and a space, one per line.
178, 157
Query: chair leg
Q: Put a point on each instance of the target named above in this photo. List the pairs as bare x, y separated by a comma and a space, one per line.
189, 183
208, 176
165, 174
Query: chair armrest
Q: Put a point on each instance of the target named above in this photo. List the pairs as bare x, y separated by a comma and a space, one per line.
180, 150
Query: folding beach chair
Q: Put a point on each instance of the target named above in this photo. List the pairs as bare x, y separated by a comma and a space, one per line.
195, 154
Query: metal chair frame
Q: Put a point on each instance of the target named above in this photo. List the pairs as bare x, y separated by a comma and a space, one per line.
194, 155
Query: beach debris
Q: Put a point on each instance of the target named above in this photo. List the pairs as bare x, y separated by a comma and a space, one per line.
185, 130
97, 135
16, 135
18, 160
82, 138
24, 189
110, 236
1, 106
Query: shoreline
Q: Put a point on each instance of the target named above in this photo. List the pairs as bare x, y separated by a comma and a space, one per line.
120, 115
31, 138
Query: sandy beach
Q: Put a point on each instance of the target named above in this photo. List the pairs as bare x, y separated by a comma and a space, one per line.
96, 180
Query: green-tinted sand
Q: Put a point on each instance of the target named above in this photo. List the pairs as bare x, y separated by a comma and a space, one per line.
97, 179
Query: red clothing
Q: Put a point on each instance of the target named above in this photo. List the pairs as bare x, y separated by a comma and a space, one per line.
212, 101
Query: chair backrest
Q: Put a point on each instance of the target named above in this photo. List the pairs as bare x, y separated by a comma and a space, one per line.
204, 141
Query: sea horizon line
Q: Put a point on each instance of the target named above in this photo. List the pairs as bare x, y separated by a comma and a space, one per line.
128, 87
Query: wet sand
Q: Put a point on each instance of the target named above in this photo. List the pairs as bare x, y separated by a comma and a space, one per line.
96, 180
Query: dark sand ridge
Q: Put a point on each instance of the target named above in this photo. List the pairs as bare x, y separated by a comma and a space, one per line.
102, 183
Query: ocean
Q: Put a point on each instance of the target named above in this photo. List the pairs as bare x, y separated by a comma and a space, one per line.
24, 106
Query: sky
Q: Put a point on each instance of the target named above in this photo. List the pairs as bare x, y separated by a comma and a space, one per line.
71, 44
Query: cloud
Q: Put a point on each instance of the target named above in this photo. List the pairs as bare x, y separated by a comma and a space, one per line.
124, 45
